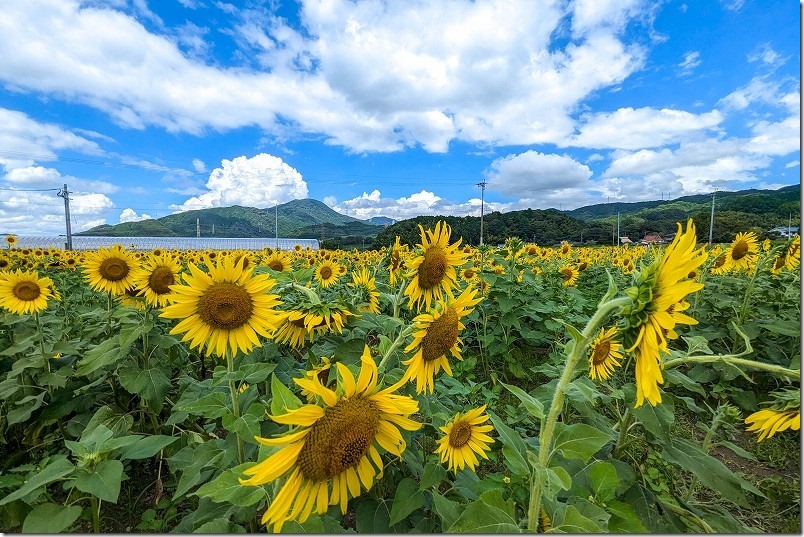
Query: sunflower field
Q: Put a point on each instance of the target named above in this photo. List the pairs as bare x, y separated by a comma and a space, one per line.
434, 387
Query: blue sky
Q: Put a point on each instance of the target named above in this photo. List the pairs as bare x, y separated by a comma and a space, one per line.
395, 108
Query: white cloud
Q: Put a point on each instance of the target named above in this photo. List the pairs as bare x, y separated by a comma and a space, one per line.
417, 204
793, 164
42, 213
764, 53
629, 128
199, 165
130, 215
24, 140
530, 174
454, 70
776, 138
41, 177
691, 60
260, 181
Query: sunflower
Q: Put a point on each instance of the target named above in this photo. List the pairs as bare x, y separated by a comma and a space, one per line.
228, 306
742, 252
307, 322
433, 271
327, 272
768, 422
111, 270
25, 292
333, 453
604, 354
793, 257
11, 240
365, 284
158, 274
464, 438
278, 261
436, 335
396, 263
322, 373
569, 274
132, 298
658, 305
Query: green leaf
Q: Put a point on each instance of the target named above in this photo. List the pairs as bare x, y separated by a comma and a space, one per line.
373, 516
282, 399
104, 482
247, 426
624, 518
52, 472
711, 472
579, 441
674, 376
534, 407
50, 518
226, 488
657, 420
570, 520
146, 446
487, 514
150, 384
24, 408
697, 345
434, 474
603, 480
406, 500
210, 406
107, 352
447, 510
219, 525
514, 448
119, 424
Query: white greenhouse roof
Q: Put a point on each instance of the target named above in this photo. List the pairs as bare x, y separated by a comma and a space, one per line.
180, 243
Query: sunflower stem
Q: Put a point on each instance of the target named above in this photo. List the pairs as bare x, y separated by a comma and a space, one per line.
42, 342
398, 298
235, 405
557, 405
625, 422
397, 342
95, 514
750, 289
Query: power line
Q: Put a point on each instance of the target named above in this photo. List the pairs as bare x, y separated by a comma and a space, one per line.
30, 189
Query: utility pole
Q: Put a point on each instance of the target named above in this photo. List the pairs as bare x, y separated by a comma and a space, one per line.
618, 228
276, 224
712, 218
64, 193
482, 186
197, 228
789, 221
213, 228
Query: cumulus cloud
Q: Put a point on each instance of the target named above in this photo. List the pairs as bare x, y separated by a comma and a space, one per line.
130, 215
530, 174
485, 72
368, 205
629, 128
260, 181
42, 213
41, 177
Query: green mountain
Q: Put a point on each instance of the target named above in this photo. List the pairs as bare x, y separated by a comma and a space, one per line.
296, 219
746, 210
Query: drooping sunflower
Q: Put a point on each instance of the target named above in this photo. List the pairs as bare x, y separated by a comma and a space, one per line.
742, 252
658, 305
133, 298
464, 438
433, 272
570, 275
226, 307
364, 283
604, 354
158, 274
279, 261
333, 453
327, 272
307, 322
24, 292
111, 270
436, 335
793, 257
768, 422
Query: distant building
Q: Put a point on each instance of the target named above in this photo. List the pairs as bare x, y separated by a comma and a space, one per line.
783, 231
626, 240
652, 239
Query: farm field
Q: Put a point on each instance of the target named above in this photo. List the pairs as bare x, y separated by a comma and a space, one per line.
435, 388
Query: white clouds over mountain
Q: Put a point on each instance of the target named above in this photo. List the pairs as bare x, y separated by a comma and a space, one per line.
260, 181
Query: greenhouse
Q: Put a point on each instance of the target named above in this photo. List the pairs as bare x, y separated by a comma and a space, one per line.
181, 243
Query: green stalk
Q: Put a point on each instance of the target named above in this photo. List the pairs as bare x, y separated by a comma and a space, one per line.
235, 405
625, 423
398, 298
42, 341
557, 405
733, 360
397, 342
95, 514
